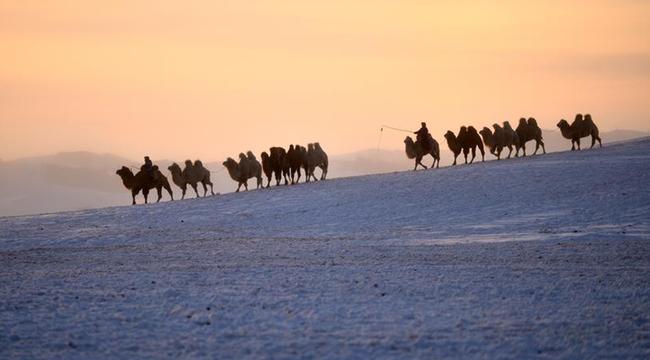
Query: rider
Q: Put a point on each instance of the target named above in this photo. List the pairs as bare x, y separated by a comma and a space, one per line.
423, 137
148, 167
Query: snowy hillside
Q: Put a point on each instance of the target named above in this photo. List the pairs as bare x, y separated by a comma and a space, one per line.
539, 256
82, 180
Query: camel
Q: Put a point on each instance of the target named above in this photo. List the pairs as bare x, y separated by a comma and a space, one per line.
242, 171
192, 175
316, 157
279, 164
469, 139
529, 130
143, 181
267, 167
254, 167
510, 138
493, 141
414, 150
578, 129
297, 160
454, 145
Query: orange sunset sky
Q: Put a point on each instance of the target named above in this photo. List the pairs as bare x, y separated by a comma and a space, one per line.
207, 79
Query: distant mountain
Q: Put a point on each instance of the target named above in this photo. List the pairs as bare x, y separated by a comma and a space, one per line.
81, 180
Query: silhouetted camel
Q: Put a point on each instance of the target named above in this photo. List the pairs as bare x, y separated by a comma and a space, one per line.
453, 144
316, 157
528, 130
143, 181
267, 167
241, 172
280, 164
297, 159
493, 141
192, 175
510, 137
254, 167
414, 150
578, 129
469, 139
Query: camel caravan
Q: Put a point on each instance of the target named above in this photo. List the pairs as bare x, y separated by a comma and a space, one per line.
287, 166
497, 139
278, 163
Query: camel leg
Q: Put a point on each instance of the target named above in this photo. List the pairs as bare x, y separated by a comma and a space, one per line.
183, 189
509, 151
195, 190
473, 155
159, 192
134, 192
323, 176
205, 189
238, 186
573, 145
455, 157
145, 192
482, 153
536, 147
578, 142
169, 190
465, 152
541, 142
523, 147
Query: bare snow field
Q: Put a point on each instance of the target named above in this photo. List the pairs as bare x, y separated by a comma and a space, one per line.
545, 256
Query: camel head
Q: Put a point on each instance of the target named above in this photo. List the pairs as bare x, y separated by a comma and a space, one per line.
174, 168
230, 163
563, 124
408, 140
449, 135
124, 172
265, 156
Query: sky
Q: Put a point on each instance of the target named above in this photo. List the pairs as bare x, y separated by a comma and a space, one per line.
209, 79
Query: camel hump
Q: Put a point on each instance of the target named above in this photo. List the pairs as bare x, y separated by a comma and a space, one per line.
198, 163
532, 122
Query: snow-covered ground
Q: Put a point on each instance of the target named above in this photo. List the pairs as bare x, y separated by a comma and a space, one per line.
545, 256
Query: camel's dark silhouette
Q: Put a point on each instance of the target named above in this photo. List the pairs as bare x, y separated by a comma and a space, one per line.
529, 130
453, 144
267, 167
244, 170
469, 139
145, 182
316, 157
280, 164
581, 127
493, 141
192, 175
415, 150
510, 137
297, 159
